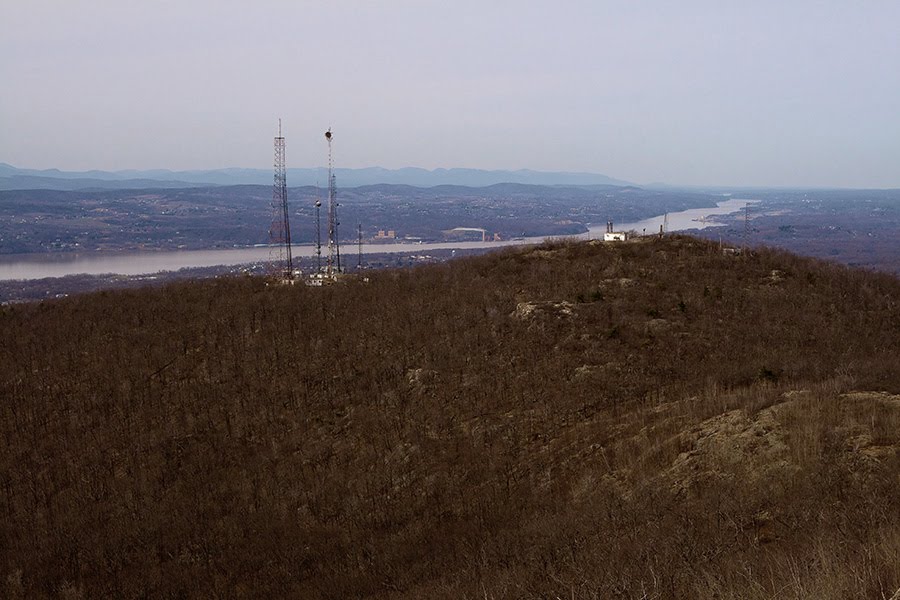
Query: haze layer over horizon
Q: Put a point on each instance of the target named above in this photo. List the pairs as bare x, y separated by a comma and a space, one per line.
767, 93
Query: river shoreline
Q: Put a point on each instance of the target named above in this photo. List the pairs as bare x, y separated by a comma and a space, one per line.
129, 263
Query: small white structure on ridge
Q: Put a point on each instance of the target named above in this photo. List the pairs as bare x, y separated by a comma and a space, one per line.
614, 236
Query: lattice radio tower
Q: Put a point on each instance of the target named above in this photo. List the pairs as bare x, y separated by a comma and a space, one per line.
334, 247
281, 264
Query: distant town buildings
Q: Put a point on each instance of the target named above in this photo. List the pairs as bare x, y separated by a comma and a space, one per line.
462, 232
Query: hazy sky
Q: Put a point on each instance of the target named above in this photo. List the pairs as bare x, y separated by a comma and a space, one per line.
788, 92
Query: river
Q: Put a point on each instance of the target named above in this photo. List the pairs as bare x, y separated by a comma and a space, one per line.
39, 266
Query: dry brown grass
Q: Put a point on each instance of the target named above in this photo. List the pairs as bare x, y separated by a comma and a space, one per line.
665, 422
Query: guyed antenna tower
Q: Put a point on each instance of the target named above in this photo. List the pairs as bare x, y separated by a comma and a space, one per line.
334, 248
282, 264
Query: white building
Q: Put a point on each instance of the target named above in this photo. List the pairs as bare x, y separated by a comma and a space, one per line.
614, 236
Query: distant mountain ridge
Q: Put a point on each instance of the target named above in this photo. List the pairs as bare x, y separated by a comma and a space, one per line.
15, 178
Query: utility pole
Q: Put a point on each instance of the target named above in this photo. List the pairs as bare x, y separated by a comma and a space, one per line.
359, 242
746, 228
318, 232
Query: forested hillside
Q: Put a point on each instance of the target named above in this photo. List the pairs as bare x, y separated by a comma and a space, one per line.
577, 420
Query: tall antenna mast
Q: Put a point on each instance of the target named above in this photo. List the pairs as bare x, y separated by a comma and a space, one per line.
359, 240
334, 248
280, 231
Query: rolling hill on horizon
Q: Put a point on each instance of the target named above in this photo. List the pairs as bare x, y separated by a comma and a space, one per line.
16, 178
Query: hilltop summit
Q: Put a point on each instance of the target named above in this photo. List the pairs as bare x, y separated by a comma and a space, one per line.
651, 419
